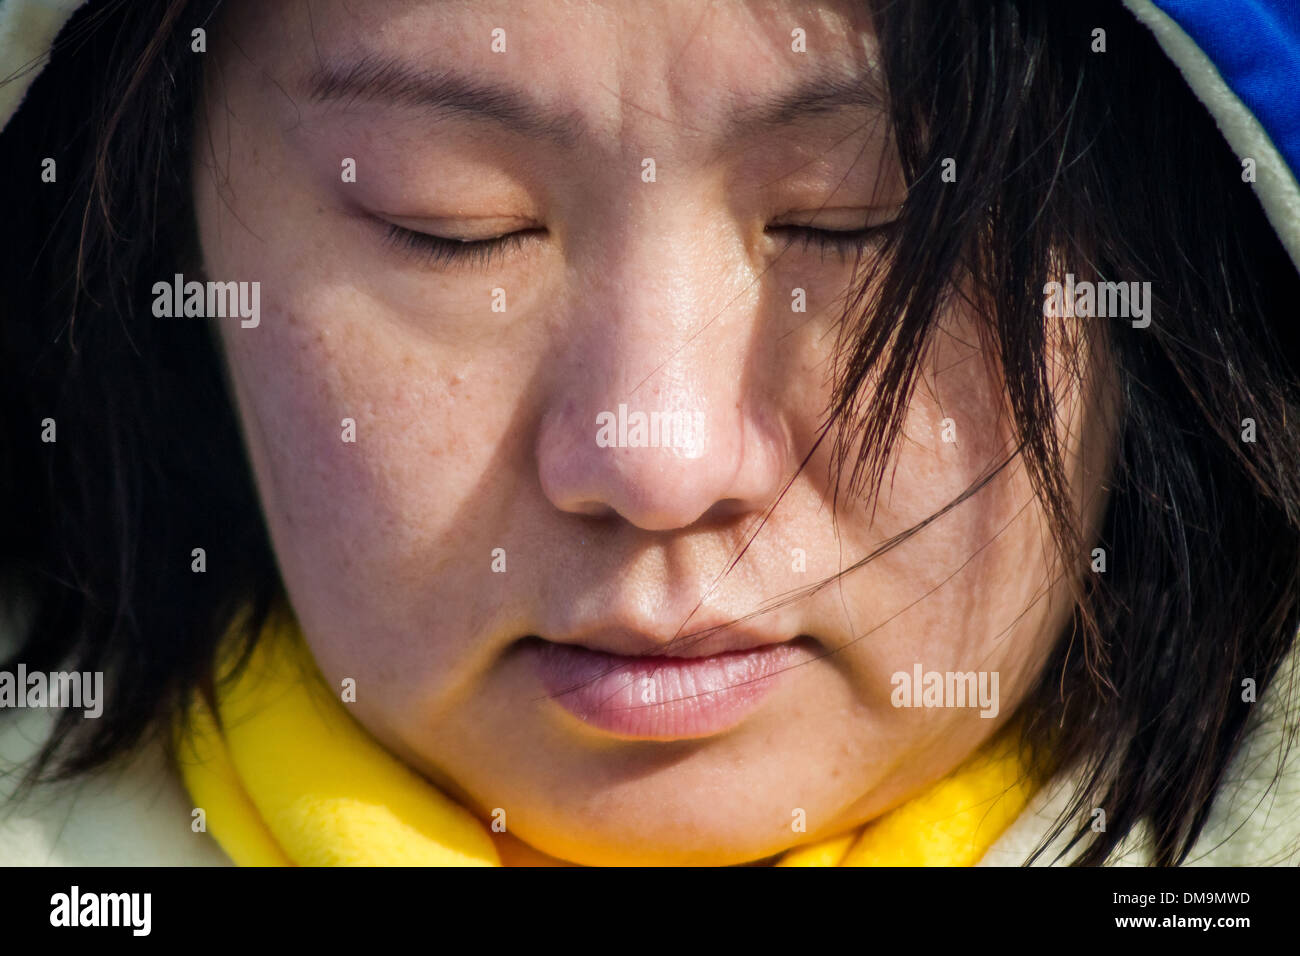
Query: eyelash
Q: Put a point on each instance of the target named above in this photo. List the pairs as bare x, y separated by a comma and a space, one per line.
439, 251
481, 253
843, 243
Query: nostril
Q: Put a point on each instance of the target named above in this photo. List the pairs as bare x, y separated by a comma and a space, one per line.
592, 509
725, 510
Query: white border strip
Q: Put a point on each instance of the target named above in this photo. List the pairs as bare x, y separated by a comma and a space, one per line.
1275, 184
27, 31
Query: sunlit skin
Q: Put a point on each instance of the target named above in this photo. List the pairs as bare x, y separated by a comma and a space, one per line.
475, 429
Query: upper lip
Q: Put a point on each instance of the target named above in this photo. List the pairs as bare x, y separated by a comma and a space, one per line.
695, 639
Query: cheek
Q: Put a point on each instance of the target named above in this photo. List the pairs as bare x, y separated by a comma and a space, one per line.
373, 458
374, 443
974, 590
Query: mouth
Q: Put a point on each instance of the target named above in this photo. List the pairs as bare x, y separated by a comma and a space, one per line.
685, 693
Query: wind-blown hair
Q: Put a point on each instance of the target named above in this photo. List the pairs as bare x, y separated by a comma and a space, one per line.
1100, 162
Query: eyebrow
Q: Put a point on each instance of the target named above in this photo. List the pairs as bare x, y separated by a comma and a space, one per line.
385, 80
375, 79
821, 95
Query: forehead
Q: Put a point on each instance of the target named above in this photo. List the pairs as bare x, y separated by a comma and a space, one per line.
622, 68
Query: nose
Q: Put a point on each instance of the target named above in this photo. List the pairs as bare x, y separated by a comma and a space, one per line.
659, 416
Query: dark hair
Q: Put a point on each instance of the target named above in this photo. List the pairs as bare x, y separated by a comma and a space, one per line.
1104, 161
148, 463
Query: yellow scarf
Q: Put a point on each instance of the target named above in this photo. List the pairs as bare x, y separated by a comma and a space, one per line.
288, 777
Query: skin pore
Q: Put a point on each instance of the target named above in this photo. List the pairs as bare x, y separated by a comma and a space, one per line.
476, 428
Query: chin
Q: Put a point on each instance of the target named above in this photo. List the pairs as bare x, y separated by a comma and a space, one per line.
622, 844
662, 823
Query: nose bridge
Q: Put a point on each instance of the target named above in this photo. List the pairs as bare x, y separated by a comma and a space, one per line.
655, 425
667, 306
675, 277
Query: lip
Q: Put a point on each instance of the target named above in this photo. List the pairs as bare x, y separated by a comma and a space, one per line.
665, 696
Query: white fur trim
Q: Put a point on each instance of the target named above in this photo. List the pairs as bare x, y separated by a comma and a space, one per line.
135, 813
27, 30
1254, 821
1275, 184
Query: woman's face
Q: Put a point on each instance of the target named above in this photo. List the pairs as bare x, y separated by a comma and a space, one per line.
494, 560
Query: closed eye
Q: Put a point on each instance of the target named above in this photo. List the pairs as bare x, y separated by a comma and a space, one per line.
432, 250
840, 241
438, 251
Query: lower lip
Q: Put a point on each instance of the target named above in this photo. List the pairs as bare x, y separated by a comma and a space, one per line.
664, 698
